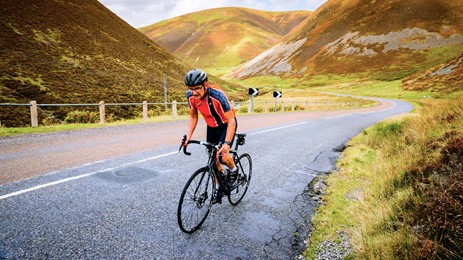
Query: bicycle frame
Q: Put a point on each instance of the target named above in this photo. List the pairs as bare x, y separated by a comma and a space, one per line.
199, 197
212, 160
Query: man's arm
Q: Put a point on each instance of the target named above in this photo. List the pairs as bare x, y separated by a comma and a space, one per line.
230, 116
192, 124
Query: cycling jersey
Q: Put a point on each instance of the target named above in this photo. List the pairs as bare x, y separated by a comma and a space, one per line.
212, 106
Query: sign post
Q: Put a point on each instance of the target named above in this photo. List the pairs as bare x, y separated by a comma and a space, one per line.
276, 95
165, 93
253, 92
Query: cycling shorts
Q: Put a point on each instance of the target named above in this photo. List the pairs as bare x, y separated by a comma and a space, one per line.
216, 135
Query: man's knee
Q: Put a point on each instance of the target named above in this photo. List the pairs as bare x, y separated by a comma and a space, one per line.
223, 159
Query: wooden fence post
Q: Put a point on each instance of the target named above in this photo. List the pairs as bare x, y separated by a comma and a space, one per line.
34, 114
174, 109
145, 111
102, 112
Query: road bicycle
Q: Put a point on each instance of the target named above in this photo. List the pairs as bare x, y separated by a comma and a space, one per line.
201, 192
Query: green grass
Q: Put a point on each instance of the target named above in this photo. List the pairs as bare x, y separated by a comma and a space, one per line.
269, 82
439, 55
10, 131
331, 79
345, 84
378, 192
219, 71
386, 89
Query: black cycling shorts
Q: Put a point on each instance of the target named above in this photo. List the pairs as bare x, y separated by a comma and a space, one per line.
216, 135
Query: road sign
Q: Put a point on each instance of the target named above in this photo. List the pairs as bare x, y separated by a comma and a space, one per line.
277, 94
253, 91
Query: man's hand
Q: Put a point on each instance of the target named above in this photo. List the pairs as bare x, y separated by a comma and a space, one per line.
224, 149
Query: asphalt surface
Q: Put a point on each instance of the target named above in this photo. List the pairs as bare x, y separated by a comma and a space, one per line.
113, 195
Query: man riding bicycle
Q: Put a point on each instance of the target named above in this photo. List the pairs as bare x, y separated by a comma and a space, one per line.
218, 114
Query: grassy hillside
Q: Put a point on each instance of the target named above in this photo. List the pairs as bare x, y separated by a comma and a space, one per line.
373, 39
444, 78
219, 39
79, 52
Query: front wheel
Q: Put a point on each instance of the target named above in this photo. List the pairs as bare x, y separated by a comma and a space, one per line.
195, 202
239, 188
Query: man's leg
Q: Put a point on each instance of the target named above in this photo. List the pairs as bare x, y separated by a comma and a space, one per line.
213, 136
227, 159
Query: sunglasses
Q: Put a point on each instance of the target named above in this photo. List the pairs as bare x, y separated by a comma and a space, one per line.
196, 89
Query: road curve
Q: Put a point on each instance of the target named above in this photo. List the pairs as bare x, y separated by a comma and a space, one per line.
113, 192
37, 154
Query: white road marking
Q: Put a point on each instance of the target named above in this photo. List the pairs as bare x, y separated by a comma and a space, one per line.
277, 128
368, 112
331, 117
9, 195
81, 176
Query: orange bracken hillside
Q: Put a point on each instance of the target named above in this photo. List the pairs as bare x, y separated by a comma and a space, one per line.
382, 39
222, 38
445, 78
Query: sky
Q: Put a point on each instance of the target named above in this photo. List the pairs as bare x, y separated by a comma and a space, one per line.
139, 13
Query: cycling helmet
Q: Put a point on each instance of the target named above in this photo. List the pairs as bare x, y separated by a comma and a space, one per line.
195, 77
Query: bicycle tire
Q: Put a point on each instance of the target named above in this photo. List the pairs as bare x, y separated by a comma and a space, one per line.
238, 190
195, 201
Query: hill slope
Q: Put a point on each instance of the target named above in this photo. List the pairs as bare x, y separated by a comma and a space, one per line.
78, 51
388, 39
222, 38
445, 78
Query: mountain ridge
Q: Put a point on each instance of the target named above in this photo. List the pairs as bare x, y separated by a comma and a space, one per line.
221, 38
351, 36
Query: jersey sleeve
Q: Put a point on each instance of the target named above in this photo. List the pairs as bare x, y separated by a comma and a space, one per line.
222, 98
188, 95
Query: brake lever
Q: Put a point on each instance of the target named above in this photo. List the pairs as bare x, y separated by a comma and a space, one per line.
183, 142
184, 146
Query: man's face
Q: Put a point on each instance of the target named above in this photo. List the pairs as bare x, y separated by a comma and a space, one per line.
197, 91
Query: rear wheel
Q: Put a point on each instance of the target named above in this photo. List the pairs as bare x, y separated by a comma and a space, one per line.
239, 188
195, 202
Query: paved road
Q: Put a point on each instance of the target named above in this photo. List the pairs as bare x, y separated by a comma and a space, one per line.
113, 192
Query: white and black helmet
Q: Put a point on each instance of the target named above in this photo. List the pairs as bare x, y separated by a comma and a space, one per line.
195, 77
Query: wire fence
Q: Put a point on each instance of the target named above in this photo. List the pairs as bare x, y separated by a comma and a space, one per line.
240, 107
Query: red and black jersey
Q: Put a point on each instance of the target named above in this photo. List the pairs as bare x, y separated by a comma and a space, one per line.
212, 106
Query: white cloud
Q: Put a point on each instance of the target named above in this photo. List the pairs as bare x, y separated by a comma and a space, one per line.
140, 13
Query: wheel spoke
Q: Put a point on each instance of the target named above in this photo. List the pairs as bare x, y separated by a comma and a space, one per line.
195, 201
238, 190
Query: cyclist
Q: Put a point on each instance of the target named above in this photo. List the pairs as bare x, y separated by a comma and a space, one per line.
219, 115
